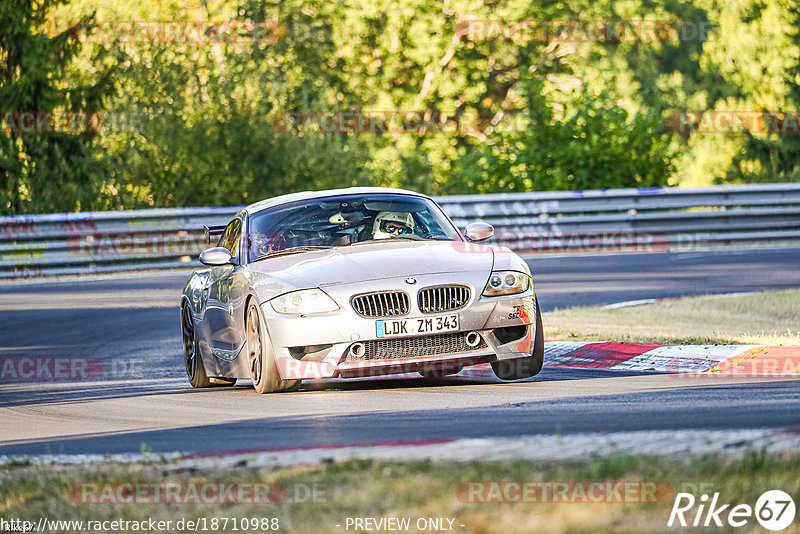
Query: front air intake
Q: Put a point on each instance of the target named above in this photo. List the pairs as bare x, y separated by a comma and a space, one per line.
414, 347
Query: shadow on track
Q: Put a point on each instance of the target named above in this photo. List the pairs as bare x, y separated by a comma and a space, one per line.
42, 393
707, 407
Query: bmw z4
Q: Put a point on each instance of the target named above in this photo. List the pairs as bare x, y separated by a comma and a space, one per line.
355, 282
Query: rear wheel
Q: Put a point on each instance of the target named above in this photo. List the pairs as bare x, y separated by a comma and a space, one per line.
261, 359
519, 368
191, 356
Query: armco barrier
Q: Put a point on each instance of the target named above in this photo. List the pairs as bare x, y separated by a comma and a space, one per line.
571, 221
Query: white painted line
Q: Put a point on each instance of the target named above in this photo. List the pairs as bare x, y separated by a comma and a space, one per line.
629, 303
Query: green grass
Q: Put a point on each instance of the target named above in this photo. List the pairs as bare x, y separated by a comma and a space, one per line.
415, 489
768, 318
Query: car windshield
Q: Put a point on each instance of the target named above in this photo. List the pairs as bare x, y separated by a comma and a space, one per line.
346, 220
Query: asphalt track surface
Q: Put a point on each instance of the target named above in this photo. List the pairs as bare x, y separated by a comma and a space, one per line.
130, 323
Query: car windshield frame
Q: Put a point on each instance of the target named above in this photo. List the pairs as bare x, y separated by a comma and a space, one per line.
345, 223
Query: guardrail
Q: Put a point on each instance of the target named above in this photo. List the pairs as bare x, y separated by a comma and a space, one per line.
612, 220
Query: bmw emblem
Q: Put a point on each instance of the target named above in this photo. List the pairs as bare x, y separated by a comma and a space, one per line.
411, 280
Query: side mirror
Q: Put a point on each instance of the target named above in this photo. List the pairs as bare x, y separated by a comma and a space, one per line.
216, 256
478, 231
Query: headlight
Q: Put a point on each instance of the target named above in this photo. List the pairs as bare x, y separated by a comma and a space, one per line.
506, 283
305, 301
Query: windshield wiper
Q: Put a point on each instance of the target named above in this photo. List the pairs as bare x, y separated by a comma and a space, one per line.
291, 250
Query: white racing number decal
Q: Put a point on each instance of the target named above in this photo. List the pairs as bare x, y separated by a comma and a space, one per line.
416, 326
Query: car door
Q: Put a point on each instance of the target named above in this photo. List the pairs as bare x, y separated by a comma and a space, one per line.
226, 289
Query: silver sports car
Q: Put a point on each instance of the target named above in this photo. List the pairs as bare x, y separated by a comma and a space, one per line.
351, 283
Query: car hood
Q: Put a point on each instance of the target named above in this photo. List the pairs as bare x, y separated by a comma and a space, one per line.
372, 261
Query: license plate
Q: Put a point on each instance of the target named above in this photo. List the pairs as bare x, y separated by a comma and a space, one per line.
416, 326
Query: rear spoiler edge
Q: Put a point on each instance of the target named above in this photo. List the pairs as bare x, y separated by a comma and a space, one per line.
212, 231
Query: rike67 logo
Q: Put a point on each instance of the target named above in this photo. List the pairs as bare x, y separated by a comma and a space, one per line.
774, 510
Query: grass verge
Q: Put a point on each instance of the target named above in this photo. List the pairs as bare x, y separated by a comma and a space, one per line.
768, 318
415, 490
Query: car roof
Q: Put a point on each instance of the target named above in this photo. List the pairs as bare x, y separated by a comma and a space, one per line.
309, 195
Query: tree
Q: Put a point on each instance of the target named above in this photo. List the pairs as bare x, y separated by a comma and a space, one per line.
39, 169
597, 144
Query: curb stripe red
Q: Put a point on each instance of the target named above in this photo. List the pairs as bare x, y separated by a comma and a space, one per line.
604, 355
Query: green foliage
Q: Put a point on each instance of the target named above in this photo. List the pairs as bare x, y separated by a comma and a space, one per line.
598, 144
41, 171
774, 157
192, 123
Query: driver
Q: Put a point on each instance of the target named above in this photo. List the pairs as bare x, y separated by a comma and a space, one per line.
392, 224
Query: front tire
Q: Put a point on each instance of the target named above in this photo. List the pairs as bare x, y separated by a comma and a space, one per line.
261, 358
195, 369
519, 368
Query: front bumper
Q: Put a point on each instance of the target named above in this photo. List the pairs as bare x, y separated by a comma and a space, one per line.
321, 345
